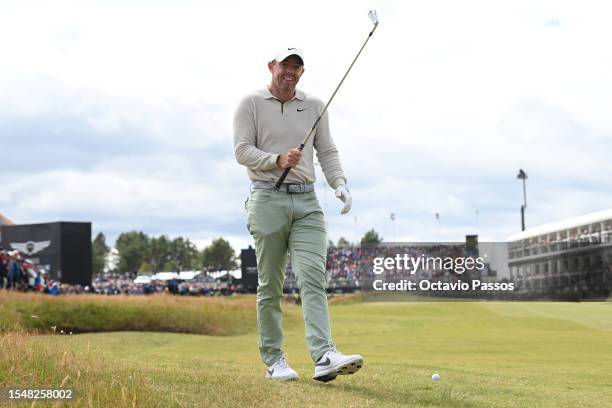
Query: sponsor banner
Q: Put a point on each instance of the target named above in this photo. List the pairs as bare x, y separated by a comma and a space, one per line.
62, 249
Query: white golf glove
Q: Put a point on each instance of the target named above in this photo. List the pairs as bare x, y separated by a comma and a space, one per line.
343, 194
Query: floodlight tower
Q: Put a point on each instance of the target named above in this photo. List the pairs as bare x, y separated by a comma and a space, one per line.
523, 176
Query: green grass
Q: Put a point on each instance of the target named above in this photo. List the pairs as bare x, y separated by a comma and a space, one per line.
90, 313
488, 354
97, 381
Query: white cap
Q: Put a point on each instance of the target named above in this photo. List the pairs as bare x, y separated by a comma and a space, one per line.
286, 52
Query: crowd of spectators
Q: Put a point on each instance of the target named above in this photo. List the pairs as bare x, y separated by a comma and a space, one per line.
202, 284
206, 285
18, 274
123, 283
349, 266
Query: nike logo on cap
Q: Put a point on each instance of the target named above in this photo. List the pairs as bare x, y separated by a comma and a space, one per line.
301, 110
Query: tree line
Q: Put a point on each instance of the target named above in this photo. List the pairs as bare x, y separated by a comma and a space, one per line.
370, 237
140, 253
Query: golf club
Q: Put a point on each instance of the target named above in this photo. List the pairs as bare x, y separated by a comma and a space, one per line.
374, 18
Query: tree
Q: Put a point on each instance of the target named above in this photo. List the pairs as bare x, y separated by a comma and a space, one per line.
185, 254
219, 256
99, 250
342, 242
172, 266
133, 250
371, 237
145, 268
159, 253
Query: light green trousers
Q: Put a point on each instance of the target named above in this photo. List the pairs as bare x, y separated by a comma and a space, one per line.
281, 222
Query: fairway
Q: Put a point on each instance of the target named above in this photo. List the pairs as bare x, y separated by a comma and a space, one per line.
488, 354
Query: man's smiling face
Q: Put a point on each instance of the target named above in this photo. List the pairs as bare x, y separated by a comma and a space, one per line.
286, 74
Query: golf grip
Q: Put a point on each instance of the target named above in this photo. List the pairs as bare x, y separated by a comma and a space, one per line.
282, 178
279, 183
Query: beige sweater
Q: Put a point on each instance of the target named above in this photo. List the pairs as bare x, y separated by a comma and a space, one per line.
264, 128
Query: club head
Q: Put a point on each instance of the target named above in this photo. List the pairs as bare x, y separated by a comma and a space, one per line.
373, 17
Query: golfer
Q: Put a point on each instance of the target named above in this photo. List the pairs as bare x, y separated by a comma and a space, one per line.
268, 125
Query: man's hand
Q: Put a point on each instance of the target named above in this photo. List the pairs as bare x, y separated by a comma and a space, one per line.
291, 159
343, 194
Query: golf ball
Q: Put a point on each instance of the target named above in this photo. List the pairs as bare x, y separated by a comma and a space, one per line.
435, 377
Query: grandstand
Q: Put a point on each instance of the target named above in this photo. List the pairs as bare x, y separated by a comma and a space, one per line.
572, 257
349, 268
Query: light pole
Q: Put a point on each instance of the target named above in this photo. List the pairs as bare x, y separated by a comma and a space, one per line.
523, 176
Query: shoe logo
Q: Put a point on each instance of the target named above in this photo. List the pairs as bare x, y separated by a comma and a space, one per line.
270, 372
324, 363
301, 110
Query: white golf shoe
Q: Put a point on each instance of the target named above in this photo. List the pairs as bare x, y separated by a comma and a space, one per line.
281, 371
333, 363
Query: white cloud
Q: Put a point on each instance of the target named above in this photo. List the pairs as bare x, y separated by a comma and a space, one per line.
120, 112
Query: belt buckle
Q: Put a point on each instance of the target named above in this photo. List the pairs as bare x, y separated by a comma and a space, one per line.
295, 188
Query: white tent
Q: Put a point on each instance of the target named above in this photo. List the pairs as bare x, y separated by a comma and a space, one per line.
165, 276
142, 279
188, 275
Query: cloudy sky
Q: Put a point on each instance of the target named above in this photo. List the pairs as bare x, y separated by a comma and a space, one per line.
119, 112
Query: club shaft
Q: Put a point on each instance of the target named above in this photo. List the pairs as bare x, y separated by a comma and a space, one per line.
282, 178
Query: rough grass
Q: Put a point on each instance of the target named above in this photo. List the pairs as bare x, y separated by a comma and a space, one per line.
36, 313
95, 380
488, 354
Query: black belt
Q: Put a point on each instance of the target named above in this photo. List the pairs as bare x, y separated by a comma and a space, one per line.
290, 188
